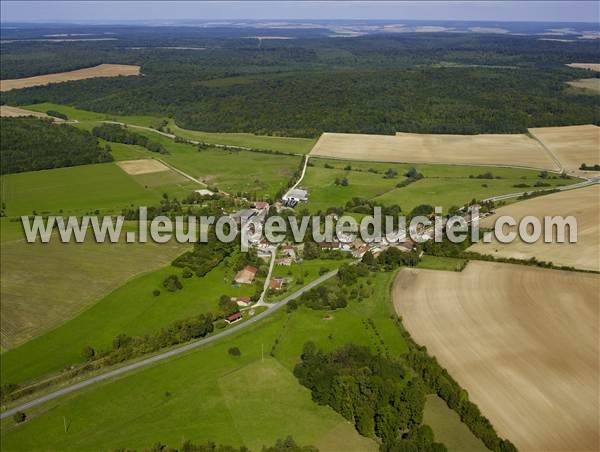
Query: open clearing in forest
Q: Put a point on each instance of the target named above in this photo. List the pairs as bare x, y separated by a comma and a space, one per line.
590, 66
142, 166
102, 70
523, 341
590, 84
7, 111
488, 149
572, 145
583, 204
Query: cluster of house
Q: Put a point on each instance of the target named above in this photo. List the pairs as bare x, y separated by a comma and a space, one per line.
259, 210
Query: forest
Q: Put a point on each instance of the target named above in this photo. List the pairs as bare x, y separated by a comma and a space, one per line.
438, 83
30, 144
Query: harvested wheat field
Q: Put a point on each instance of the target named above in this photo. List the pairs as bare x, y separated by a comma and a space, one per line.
583, 204
590, 84
497, 149
103, 70
142, 166
571, 145
590, 66
7, 111
523, 341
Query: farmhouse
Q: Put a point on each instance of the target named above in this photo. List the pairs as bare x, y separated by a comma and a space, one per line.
243, 215
243, 301
276, 283
261, 205
233, 317
204, 192
246, 275
294, 196
284, 261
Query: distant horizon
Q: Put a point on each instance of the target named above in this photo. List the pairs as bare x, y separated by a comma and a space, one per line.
142, 21
80, 12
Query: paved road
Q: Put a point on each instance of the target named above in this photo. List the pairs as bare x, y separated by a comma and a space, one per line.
177, 351
566, 187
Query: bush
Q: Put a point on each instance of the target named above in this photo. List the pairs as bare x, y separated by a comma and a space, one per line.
172, 283
19, 417
156, 292
234, 351
57, 114
88, 352
187, 273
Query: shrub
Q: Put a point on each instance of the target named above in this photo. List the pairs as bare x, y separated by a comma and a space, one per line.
156, 292
19, 417
88, 352
172, 283
187, 273
234, 351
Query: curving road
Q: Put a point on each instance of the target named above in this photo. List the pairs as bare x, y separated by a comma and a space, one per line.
174, 352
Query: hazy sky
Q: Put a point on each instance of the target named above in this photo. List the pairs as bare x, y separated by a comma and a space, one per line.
49, 11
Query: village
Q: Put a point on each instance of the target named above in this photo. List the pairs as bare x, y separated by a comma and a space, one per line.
288, 254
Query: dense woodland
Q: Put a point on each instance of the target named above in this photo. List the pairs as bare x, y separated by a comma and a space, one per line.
30, 144
454, 83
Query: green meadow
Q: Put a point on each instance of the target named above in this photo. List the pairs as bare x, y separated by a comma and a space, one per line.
44, 285
231, 171
84, 189
207, 394
130, 309
448, 427
272, 143
300, 274
288, 145
76, 114
442, 185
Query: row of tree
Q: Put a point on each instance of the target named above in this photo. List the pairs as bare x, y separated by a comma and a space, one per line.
120, 134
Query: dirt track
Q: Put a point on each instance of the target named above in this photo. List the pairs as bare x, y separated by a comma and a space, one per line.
490, 149
571, 145
103, 70
523, 341
583, 204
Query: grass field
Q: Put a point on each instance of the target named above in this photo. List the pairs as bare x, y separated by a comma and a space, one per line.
209, 395
443, 185
188, 399
299, 274
76, 114
44, 285
521, 340
131, 309
81, 189
102, 70
583, 204
505, 149
231, 171
448, 427
282, 144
